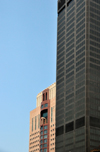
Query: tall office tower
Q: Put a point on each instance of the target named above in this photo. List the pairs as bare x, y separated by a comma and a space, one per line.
42, 122
78, 76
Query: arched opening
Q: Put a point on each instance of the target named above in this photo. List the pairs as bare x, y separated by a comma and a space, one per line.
44, 115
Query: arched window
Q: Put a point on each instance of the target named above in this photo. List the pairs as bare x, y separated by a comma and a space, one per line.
46, 95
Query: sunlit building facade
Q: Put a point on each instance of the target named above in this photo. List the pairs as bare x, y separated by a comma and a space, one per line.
42, 122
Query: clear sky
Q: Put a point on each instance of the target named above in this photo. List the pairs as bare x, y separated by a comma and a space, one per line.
28, 37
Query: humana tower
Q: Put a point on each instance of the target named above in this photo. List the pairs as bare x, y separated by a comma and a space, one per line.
78, 76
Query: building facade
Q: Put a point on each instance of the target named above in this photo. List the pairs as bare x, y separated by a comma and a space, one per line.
42, 122
78, 76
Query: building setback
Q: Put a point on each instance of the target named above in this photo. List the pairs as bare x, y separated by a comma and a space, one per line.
78, 76
42, 122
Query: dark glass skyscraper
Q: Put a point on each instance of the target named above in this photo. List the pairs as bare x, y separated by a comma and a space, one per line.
78, 76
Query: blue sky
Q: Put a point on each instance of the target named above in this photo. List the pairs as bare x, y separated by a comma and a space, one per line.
28, 37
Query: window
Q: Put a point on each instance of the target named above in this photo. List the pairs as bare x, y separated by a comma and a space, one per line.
95, 122
41, 141
81, 61
45, 140
41, 132
80, 56
46, 105
60, 46
42, 128
45, 131
80, 67
35, 121
51, 114
69, 2
41, 137
45, 145
60, 131
41, 146
32, 123
45, 127
46, 95
69, 126
80, 122
45, 150
69, 75
45, 136
69, 22
38, 121
69, 69
42, 107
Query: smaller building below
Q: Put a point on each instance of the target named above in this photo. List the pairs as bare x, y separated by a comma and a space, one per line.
42, 122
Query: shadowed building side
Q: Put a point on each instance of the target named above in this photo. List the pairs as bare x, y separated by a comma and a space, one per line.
78, 76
